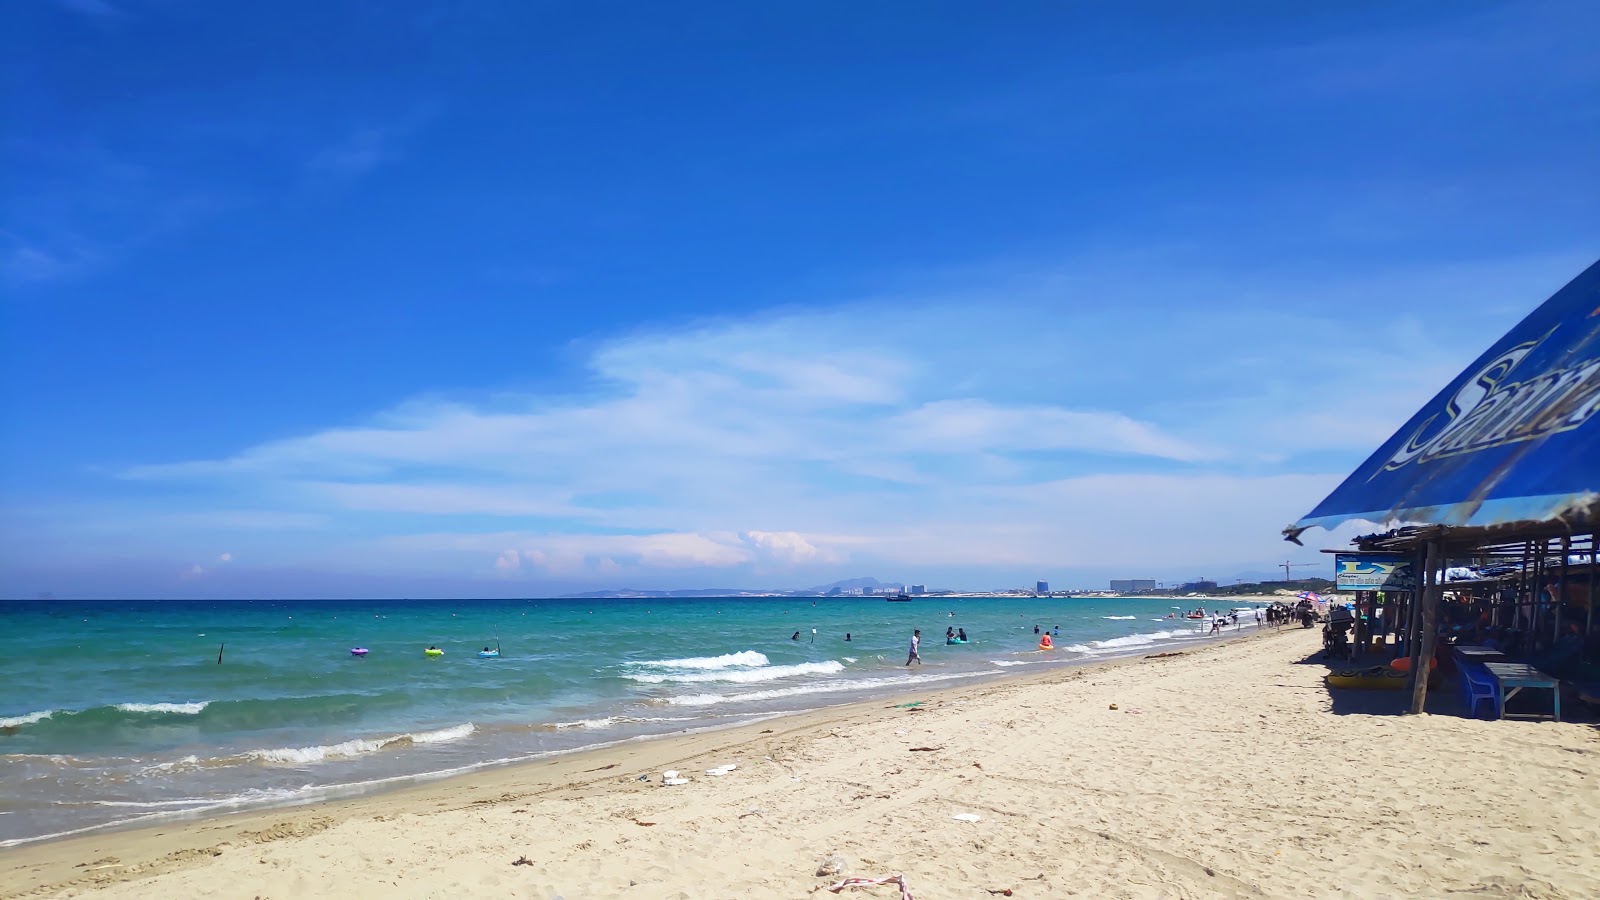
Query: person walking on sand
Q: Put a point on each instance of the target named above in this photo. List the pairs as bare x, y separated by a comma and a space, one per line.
916, 643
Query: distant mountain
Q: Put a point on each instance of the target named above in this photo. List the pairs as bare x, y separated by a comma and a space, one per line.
849, 584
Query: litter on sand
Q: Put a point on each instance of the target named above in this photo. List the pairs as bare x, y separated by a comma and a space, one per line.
719, 771
671, 777
905, 891
966, 817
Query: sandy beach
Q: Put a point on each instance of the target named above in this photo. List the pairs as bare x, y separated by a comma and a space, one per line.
1224, 771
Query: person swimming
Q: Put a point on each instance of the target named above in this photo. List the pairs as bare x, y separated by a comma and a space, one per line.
961, 634
949, 633
847, 636
796, 636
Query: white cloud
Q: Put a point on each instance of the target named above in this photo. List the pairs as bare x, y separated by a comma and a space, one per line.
886, 434
225, 558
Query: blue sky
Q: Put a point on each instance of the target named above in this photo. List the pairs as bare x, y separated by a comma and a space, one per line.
408, 299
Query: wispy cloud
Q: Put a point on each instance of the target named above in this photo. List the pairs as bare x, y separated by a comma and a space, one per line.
882, 434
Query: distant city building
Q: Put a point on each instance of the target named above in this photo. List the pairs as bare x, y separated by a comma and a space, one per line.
1133, 585
1041, 587
1199, 586
919, 589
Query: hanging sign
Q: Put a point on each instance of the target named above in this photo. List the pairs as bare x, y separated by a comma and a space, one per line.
1374, 572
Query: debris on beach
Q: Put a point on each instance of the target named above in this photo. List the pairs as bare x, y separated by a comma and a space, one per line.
967, 817
670, 777
522, 861
925, 749
719, 771
905, 891
833, 865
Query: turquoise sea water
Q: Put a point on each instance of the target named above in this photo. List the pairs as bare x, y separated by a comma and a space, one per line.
112, 711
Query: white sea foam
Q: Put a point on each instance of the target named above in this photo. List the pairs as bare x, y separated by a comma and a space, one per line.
28, 719
1005, 663
357, 747
183, 709
607, 722
1132, 641
744, 658
1119, 618
745, 676
152, 804
187, 762
443, 735
829, 687
849, 659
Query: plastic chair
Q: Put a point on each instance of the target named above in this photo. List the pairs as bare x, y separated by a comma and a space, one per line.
1478, 686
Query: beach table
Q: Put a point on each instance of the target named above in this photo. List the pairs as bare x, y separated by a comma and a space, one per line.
1517, 676
1476, 653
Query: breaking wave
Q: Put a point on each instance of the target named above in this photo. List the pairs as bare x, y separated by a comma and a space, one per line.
830, 687
182, 709
744, 676
745, 658
26, 719
1131, 642
357, 747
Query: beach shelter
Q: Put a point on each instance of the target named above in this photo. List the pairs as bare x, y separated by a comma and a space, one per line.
1515, 438
1508, 450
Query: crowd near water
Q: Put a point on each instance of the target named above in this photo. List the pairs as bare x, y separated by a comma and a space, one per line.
117, 711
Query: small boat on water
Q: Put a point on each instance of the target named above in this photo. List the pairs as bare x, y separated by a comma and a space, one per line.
488, 654
901, 597
358, 651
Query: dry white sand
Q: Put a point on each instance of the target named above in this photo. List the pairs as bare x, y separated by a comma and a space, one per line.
1222, 772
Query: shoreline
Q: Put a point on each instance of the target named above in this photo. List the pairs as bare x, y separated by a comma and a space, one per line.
357, 788
1069, 793
566, 764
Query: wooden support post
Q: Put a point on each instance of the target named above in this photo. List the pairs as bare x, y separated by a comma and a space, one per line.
1429, 620
1561, 590
1594, 561
1362, 599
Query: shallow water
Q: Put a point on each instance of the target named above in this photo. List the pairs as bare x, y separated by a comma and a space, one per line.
112, 711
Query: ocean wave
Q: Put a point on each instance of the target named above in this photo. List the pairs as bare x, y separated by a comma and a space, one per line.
357, 746
182, 709
830, 687
744, 658
745, 676
152, 804
176, 765
1120, 618
1132, 641
26, 719
609, 721
1004, 663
